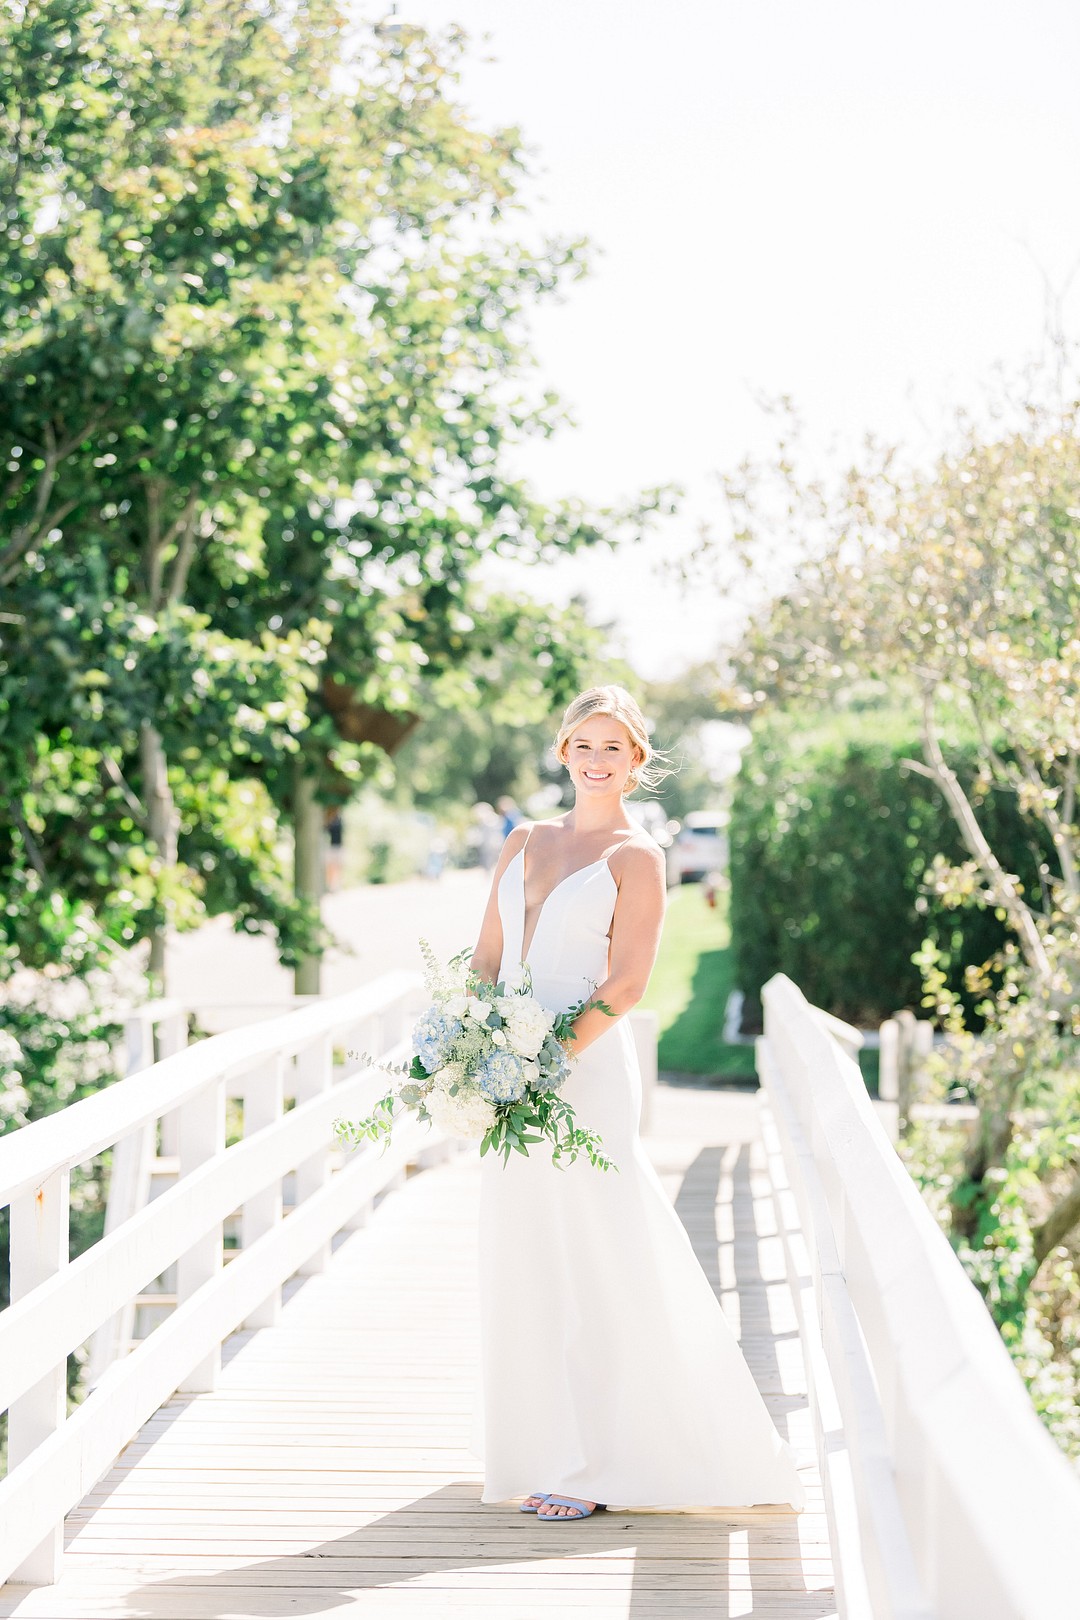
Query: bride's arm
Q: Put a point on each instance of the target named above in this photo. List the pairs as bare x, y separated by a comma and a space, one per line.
635, 940
487, 956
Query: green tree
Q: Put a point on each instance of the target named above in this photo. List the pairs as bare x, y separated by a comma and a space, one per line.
263, 333
958, 589
497, 722
682, 712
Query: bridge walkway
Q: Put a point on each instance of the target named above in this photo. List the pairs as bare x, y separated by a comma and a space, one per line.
330, 1471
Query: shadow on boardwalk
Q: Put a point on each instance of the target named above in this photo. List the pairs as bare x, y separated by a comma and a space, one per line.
642, 1563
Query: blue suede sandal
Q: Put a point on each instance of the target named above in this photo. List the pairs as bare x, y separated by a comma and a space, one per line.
570, 1502
524, 1509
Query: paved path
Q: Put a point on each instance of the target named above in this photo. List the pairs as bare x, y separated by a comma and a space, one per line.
329, 1472
378, 927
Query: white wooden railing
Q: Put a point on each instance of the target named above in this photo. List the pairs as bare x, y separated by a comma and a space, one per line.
299, 1059
157, 1029
946, 1498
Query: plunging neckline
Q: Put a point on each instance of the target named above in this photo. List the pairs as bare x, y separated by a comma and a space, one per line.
603, 861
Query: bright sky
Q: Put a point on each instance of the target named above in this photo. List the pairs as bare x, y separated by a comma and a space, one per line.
856, 204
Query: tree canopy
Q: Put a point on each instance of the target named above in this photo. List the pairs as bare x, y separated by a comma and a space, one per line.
263, 347
956, 589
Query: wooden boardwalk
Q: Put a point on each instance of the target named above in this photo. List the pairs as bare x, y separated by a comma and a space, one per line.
329, 1471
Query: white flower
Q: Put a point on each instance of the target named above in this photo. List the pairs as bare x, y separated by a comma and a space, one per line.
498, 1038
527, 1026
454, 976
451, 1074
476, 1007
531, 1071
456, 1006
467, 1115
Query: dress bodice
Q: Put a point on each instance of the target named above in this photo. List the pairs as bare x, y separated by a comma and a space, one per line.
568, 952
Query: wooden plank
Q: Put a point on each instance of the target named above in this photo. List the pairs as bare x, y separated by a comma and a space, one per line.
193, 1602
542, 1575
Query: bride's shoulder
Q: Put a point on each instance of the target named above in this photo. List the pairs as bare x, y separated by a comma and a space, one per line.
640, 859
514, 843
543, 830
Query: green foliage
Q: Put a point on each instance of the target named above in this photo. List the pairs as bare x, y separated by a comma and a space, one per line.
957, 588
546, 1117
831, 838
1010, 1226
689, 987
496, 715
678, 713
262, 334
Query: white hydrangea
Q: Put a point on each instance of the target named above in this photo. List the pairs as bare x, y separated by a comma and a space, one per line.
451, 1074
528, 1025
466, 1115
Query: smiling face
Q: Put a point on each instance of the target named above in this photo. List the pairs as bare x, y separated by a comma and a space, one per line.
600, 754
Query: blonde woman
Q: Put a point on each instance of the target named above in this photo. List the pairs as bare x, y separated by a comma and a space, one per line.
609, 1372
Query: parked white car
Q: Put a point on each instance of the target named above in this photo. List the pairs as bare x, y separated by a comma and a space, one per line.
698, 848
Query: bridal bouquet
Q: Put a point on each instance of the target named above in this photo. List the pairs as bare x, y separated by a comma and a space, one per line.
488, 1066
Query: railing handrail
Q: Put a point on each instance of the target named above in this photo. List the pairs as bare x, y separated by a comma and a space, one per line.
69, 1137
61, 1313
990, 1506
54, 1459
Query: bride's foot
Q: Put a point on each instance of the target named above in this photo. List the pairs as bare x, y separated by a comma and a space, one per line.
572, 1508
532, 1503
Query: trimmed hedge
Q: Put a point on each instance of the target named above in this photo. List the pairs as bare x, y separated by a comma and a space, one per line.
830, 838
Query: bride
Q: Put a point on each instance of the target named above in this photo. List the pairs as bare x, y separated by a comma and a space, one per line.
609, 1372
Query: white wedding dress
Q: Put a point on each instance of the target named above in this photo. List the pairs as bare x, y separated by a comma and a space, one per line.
608, 1369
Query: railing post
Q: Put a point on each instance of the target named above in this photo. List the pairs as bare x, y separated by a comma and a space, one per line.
264, 1100
889, 1061
201, 1137
138, 1040
39, 1249
129, 1189
172, 1037
314, 1074
645, 1028
916, 1044
364, 1037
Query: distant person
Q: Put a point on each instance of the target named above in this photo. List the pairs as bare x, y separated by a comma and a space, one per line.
485, 835
509, 813
435, 859
335, 851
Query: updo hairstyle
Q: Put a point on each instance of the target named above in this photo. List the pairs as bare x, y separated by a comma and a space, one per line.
617, 704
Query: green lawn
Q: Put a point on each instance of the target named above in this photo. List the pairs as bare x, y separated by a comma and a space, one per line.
689, 989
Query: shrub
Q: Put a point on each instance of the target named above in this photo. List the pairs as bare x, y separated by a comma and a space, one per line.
830, 838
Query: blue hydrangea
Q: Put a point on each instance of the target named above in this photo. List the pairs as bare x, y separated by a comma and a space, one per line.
501, 1078
433, 1037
